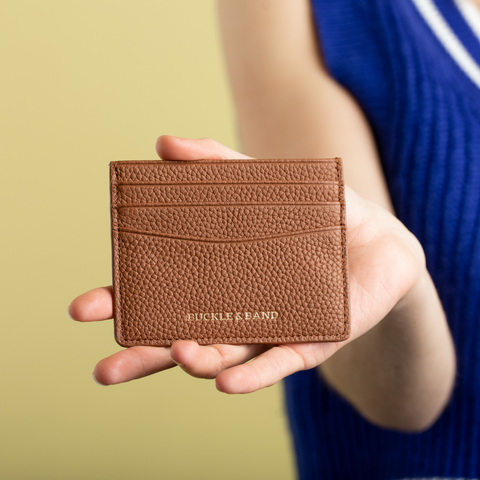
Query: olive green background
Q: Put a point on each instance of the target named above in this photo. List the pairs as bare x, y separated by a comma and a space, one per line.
84, 83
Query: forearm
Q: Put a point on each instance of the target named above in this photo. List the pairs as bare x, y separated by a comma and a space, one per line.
400, 373
286, 103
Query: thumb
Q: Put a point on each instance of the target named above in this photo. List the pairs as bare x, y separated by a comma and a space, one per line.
175, 148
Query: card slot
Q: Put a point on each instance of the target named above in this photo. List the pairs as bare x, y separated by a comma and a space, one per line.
229, 222
201, 184
230, 240
222, 194
165, 286
192, 205
228, 171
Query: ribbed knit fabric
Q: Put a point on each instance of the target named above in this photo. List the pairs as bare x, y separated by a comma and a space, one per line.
425, 115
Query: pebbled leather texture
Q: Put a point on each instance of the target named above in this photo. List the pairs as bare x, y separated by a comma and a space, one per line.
229, 251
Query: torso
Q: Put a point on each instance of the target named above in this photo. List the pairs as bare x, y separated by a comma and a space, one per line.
424, 110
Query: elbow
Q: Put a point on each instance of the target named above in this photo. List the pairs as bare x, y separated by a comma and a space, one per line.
405, 422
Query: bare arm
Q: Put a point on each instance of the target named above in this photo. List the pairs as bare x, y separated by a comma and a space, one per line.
400, 373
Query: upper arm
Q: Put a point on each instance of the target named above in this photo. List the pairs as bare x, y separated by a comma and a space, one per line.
287, 103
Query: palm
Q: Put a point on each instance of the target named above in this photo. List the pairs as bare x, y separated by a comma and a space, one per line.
381, 269
382, 262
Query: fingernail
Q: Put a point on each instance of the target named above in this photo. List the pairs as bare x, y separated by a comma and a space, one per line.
181, 365
68, 313
97, 382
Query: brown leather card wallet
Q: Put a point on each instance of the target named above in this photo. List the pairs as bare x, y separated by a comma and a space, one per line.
229, 251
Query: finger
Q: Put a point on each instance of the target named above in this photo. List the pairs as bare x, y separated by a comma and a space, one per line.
175, 148
208, 361
274, 365
132, 363
92, 306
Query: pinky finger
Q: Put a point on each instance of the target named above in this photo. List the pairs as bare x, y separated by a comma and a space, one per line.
132, 363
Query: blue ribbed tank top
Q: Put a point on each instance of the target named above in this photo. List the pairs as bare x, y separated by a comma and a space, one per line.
424, 111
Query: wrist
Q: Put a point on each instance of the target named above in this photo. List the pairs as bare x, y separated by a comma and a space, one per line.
417, 284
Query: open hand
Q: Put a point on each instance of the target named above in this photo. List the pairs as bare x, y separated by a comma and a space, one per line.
384, 263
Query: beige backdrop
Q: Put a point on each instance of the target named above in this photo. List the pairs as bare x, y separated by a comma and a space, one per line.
84, 83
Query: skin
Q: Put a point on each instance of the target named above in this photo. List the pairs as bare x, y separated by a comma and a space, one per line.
397, 368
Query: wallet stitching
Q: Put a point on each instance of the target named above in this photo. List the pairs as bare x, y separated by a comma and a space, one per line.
238, 161
222, 205
235, 339
118, 296
223, 340
341, 189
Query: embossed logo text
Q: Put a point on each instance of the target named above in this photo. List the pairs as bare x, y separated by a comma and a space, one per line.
210, 316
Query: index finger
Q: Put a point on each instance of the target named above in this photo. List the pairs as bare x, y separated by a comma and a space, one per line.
92, 306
